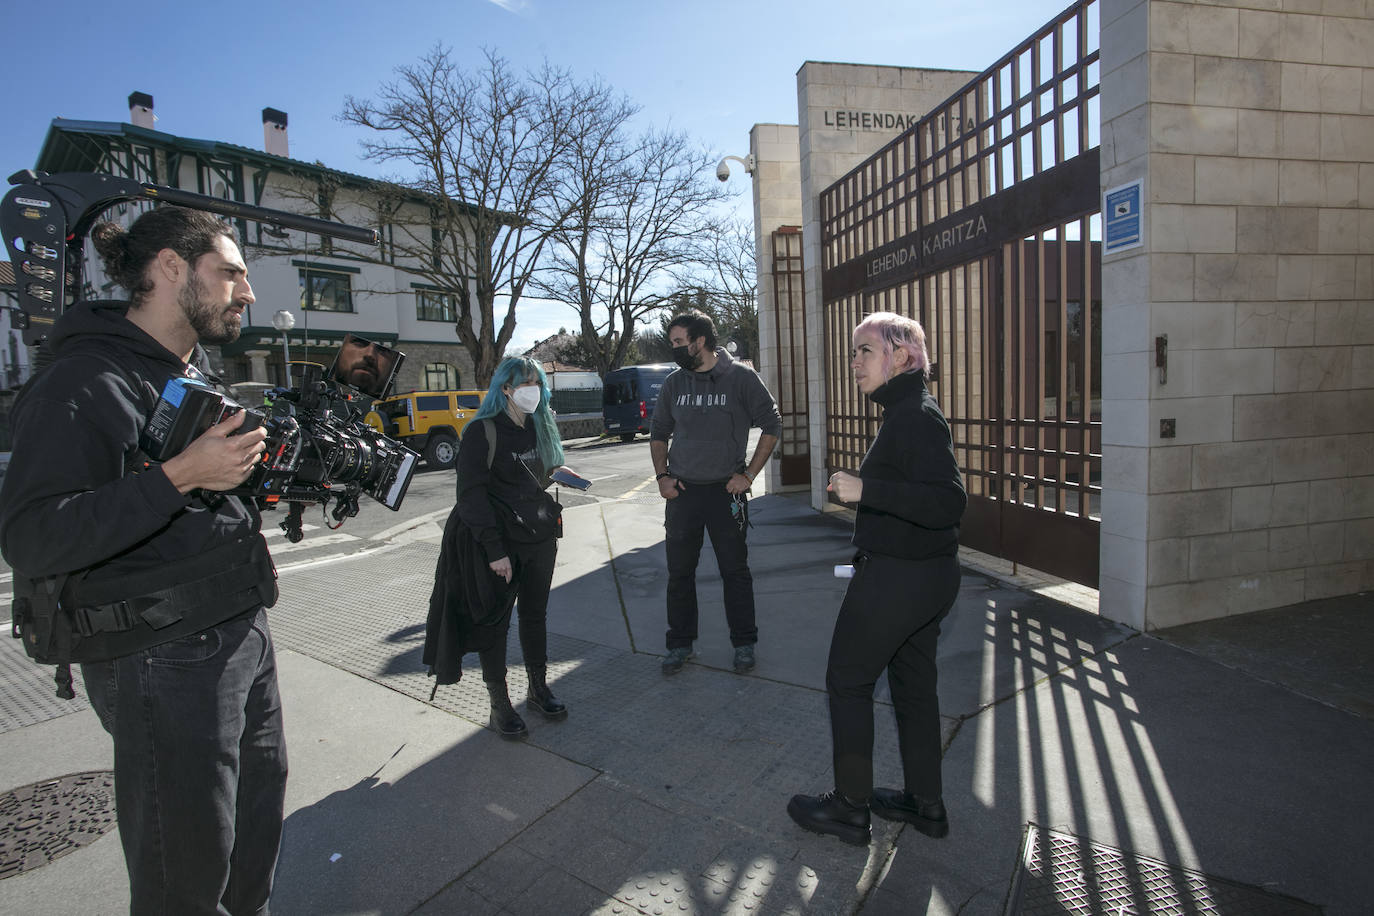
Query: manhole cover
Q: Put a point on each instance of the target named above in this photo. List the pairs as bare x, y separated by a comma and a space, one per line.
46, 820
1065, 875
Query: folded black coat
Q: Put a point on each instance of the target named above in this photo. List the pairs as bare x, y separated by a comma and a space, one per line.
469, 608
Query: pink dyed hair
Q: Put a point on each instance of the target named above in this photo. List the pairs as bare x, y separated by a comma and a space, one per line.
899, 333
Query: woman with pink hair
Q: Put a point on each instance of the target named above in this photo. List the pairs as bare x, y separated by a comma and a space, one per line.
909, 498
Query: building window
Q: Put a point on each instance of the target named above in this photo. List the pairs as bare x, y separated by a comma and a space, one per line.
440, 377
323, 291
431, 305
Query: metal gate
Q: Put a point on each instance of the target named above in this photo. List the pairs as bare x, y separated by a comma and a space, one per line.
982, 222
789, 298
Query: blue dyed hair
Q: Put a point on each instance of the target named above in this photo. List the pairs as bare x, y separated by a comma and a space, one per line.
516, 371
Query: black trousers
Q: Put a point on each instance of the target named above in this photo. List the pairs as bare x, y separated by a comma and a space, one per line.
890, 619
700, 508
200, 768
532, 572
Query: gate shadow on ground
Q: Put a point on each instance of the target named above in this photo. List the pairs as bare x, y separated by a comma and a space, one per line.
1126, 742
679, 785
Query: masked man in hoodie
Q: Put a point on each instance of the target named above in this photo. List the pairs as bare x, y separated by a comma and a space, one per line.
697, 441
168, 578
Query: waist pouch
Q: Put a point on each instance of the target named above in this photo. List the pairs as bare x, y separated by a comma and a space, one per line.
63, 619
530, 523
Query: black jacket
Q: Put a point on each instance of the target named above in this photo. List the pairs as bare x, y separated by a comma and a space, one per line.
67, 503
469, 606
913, 495
508, 500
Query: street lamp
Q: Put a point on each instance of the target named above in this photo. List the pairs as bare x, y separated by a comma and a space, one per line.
284, 321
723, 170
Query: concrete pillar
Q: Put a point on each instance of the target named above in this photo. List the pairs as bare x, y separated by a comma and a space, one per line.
257, 366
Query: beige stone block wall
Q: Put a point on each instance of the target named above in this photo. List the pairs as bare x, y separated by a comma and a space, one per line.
1259, 266
777, 193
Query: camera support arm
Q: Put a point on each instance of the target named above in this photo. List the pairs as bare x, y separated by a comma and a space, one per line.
44, 219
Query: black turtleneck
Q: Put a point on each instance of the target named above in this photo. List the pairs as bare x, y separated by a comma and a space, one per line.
913, 495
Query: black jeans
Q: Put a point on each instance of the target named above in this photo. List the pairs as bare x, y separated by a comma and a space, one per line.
890, 618
701, 508
200, 768
532, 572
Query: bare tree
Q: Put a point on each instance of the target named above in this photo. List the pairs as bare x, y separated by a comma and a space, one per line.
483, 151
726, 285
640, 206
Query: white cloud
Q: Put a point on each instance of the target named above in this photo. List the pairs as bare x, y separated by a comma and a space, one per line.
511, 6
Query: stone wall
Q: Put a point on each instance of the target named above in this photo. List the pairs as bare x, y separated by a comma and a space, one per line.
1251, 123
418, 355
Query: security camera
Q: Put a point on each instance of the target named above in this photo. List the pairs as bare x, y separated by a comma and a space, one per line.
723, 171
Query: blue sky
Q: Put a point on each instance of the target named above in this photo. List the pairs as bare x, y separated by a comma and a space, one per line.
712, 69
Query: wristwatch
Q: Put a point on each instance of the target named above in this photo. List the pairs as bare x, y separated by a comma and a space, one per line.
661, 476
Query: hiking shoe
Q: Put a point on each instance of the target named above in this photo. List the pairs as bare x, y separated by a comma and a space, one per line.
926, 815
832, 814
744, 659
676, 658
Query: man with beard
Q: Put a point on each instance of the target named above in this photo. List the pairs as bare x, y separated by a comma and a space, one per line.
706, 408
364, 365
162, 579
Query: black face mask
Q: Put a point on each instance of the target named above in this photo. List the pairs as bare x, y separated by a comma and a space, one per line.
684, 358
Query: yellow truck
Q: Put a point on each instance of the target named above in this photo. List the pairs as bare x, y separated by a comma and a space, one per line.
430, 422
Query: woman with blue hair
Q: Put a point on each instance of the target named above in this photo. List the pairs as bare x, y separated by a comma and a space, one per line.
508, 451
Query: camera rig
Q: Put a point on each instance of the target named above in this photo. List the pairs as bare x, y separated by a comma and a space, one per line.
45, 219
318, 449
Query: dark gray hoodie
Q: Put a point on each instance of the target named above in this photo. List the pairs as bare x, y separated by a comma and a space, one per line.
708, 415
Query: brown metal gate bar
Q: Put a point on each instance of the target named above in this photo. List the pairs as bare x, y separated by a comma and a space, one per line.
981, 221
789, 296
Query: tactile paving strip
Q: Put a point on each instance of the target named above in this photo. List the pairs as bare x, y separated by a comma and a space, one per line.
46, 820
1065, 875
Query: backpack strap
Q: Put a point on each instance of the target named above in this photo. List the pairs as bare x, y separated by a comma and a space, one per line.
489, 427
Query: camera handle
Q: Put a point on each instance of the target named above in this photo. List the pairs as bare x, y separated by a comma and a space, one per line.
345, 506
295, 512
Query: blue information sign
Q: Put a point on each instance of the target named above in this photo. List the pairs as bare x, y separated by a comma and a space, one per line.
1122, 216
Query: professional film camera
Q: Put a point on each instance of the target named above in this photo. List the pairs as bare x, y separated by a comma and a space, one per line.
318, 449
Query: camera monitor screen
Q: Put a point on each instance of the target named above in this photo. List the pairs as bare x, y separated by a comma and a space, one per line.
366, 365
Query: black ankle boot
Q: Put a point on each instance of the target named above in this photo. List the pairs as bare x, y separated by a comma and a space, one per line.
832, 814
504, 719
541, 698
925, 814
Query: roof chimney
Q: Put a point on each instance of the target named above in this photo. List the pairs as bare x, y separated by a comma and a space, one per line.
274, 132
141, 110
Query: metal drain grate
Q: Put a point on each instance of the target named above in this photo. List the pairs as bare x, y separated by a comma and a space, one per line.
1064, 875
46, 820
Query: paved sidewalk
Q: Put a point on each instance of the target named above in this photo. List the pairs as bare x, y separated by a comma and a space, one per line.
1238, 749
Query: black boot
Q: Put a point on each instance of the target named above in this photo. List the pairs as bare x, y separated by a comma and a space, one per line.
504, 719
541, 698
925, 814
832, 814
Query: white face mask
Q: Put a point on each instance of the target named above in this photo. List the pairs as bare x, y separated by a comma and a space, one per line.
526, 397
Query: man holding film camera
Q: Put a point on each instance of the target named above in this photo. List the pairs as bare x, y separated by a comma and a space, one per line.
150, 578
